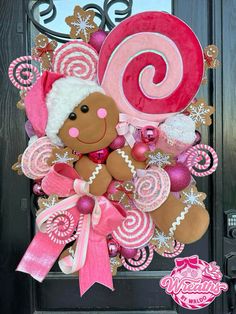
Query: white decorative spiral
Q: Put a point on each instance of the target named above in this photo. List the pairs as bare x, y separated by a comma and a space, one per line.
76, 58
135, 231
34, 159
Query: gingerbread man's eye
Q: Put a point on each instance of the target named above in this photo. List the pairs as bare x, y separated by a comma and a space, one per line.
72, 116
84, 108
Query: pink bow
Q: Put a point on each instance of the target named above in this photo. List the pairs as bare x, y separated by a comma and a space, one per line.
91, 257
128, 124
191, 261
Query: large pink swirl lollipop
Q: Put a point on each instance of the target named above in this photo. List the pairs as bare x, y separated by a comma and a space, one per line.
76, 58
152, 189
22, 73
136, 230
152, 65
34, 159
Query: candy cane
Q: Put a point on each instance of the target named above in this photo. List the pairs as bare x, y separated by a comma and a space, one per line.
22, 74
141, 261
152, 189
199, 153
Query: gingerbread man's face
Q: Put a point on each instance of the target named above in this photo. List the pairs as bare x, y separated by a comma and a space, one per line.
92, 124
41, 41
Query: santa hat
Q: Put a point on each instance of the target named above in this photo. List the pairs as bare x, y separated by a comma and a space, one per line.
51, 100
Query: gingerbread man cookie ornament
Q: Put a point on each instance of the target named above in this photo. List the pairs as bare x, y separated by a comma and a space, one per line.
45, 50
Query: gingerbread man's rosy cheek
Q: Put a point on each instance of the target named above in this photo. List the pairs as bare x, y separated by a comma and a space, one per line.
101, 113
73, 132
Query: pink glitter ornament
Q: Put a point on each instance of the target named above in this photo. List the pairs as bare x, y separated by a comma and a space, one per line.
113, 247
97, 39
85, 204
139, 150
118, 142
149, 134
128, 253
180, 177
37, 189
100, 156
198, 138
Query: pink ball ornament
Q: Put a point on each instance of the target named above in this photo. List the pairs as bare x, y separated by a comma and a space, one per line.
139, 150
100, 156
37, 189
149, 134
128, 253
118, 142
198, 138
113, 247
180, 177
97, 39
112, 189
85, 204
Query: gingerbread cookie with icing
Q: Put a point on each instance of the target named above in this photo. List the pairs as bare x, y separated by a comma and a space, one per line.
186, 223
122, 166
92, 124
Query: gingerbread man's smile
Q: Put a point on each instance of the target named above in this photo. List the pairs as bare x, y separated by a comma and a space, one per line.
97, 141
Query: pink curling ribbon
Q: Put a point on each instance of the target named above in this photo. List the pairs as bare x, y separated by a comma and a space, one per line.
91, 257
191, 261
128, 124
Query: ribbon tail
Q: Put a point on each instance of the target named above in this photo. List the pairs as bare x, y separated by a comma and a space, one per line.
40, 256
97, 265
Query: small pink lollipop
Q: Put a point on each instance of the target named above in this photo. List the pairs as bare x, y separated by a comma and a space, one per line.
202, 160
141, 260
22, 74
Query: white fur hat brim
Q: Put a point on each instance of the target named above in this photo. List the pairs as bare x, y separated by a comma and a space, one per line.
65, 95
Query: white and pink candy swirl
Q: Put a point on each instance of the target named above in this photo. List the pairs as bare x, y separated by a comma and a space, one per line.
76, 58
34, 159
150, 69
152, 189
135, 231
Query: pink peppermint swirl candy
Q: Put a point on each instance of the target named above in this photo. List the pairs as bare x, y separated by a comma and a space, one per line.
141, 260
178, 248
76, 58
62, 227
202, 160
135, 231
34, 159
152, 189
149, 69
22, 74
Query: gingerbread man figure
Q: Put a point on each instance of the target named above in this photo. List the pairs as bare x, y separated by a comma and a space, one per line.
44, 49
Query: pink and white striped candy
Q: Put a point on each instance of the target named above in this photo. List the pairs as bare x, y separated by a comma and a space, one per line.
135, 231
62, 227
178, 248
76, 58
22, 74
141, 260
202, 160
34, 159
152, 189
